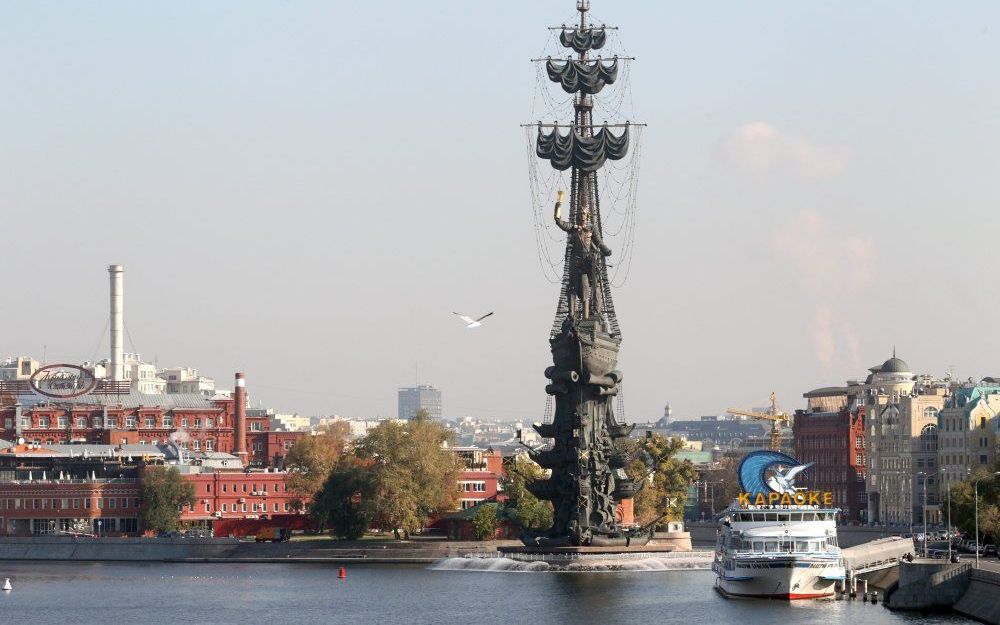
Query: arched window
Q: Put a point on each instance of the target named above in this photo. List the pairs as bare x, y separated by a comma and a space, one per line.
929, 438
930, 412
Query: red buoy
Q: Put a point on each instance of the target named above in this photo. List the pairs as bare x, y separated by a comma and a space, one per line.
342, 574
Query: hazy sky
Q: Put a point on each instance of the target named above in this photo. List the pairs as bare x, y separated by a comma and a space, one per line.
305, 191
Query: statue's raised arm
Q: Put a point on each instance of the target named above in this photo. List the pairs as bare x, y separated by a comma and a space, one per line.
564, 225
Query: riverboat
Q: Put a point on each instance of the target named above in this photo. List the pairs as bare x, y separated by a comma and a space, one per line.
778, 553
775, 541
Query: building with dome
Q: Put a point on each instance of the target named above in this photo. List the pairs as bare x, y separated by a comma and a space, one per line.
901, 442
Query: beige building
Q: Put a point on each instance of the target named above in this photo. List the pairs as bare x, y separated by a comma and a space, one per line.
902, 429
18, 368
967, 439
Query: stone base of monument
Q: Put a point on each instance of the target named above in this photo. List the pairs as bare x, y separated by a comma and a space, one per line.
662, 554
662, 542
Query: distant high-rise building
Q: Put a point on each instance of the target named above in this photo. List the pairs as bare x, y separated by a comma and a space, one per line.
414, 398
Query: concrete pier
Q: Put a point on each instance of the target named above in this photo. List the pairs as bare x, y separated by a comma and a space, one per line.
936, 584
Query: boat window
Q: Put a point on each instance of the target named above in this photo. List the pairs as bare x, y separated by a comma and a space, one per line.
815, 545
831, 541
758, 516
771, 546
758, 546
808, 516
802, 545
770, 516
795, 516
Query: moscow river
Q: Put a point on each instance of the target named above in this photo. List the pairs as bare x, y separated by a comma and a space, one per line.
120, 593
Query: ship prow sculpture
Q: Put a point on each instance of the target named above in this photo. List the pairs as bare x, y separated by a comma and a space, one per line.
586, 459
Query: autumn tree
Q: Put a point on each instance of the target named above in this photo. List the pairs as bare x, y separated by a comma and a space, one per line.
312, 458
164, 491
414, 476
664, 479
530, 512
720, 481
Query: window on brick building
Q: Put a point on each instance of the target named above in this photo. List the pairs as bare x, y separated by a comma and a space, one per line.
197, 445
197, 422
209, 423
209, 444
276, 506
43, 422
150, 422
225, 507
168, 421
112, 422
86, 503
62, 422
287, 506
130, 422
81, 422
184, 423
243, 507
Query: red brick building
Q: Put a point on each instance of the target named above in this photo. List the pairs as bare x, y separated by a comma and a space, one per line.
226, 500
132, 418
96, 489
480, 481
834, 441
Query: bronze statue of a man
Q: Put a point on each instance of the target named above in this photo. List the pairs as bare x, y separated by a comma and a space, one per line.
587, 243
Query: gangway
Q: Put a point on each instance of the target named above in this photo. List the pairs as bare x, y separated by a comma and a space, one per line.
877, 554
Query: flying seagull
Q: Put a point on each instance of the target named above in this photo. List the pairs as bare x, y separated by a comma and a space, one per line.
470, 322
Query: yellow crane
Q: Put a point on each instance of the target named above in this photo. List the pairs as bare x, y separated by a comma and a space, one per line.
776, 417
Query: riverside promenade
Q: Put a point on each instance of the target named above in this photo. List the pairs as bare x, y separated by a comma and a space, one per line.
319, 550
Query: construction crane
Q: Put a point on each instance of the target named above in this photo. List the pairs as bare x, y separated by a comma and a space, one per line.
776, 417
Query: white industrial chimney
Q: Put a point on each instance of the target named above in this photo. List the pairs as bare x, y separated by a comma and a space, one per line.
117, 371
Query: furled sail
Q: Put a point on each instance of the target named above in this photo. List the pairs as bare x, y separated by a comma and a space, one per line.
587, 77
587, 154
583, 40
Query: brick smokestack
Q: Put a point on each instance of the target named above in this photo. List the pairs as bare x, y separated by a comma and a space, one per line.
240, 400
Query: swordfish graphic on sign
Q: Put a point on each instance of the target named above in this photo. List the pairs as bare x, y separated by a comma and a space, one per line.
768, 478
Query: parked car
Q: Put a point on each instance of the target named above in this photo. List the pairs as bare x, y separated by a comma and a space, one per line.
989, 550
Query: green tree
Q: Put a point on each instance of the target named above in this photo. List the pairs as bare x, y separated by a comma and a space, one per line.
414, 475
530, 512
344, 503
963, 505
664, 479
312, 458
163, 491
485, 522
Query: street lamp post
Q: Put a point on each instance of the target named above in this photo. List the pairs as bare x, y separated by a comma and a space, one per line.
947, 533
924, 510
976, 490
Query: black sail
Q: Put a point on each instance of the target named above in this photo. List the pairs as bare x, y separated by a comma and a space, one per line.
582, 76
587, 154
583, 40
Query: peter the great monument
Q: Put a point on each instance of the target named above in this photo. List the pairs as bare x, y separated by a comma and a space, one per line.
587, 456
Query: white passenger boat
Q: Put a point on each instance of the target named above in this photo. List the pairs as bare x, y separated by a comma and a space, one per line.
778, 553
774, 542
